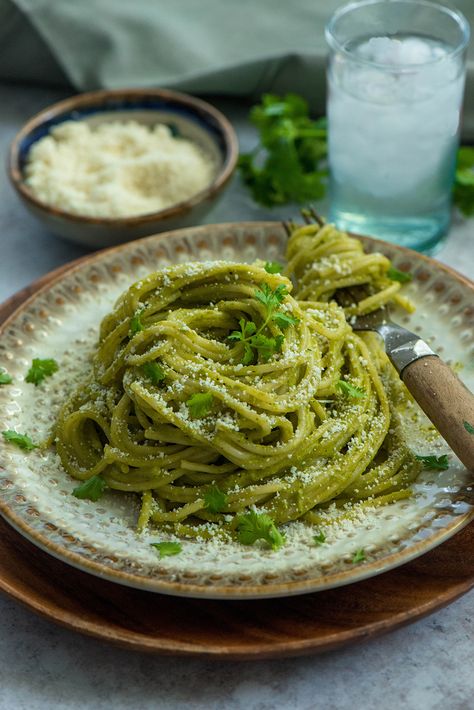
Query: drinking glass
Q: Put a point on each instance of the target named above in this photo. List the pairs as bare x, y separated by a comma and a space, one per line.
396, 76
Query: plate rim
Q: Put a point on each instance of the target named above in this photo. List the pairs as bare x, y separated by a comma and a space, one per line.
219, 591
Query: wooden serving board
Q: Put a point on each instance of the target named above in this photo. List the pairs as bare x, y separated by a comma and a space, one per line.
229, 629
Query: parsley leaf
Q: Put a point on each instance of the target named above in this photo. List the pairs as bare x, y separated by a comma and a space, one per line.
359, 556
273, 267
215, 499
136, 324
350, 390
154, 372
40, 369
5, 378
271, 299
440, 463
23, 441
288, 164
265, 346
397, 275
92, 489
254, 526
200, 404
468, 427
320, 538
166, 549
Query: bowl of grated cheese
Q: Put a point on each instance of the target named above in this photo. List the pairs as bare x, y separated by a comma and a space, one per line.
105, 167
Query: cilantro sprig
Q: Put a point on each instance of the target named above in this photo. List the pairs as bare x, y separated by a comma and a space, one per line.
350, 390
215, 499
23, 441
273, 267
40, 369
92, 489
397, 275
288, 164
320, 538
435, 463
258, 526
200, 404
256, 343
136, 324
359, 556
153, 372
167, 549
5, 378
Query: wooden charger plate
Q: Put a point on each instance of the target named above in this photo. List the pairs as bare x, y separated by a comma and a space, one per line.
267, 628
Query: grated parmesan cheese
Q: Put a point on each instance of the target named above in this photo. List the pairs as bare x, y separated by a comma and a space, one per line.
116, 169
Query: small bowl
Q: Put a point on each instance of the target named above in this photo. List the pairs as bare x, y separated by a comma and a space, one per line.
192, 118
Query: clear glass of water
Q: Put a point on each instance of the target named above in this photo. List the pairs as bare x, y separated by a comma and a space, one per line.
395, 86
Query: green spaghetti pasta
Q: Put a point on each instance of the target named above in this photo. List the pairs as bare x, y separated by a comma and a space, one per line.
213, 379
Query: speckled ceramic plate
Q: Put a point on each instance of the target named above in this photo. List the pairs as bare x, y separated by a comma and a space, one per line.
62, 321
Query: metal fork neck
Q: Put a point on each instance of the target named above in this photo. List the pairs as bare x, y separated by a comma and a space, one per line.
402, 346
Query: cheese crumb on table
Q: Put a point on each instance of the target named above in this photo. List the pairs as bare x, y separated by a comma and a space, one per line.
116, 169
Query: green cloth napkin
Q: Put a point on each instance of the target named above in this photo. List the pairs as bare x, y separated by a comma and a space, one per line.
199, 46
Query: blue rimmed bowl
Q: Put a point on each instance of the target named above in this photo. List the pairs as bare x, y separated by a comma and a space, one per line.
187, 116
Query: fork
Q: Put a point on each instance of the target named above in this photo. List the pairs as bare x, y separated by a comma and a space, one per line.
442, 396
440, 393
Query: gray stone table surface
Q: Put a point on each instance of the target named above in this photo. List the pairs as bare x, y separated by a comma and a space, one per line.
425, 666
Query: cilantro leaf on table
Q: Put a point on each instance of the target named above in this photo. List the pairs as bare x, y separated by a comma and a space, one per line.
200, 404
23, 441
258, 526
5, 378
350, 390
397, 275
167, 549
288, 163
92, 489
40, 369
433, 463
215, 499
154, 372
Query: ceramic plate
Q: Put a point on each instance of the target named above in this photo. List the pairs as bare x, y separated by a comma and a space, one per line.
62, 321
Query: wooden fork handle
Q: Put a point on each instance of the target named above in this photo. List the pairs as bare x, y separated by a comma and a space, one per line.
446, 401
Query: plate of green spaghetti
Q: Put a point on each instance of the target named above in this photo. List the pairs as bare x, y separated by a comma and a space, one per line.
193, 414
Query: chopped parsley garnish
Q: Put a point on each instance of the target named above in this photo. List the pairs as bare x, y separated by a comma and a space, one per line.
215, 499
440, 463
468, 427
358, 557
288, 165
258, 526
350, 390
200, 404
167, 549
154, 372
136, 324
320, 538
397, 275
92, 489
40, 369
5, 378
23, 441
273, 267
